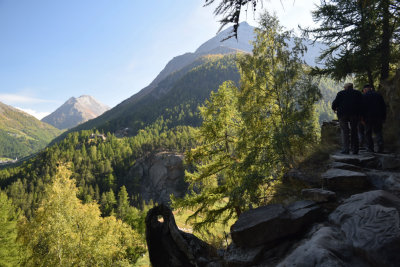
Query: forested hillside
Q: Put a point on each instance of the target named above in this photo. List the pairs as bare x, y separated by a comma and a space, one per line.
98, 163
22, 134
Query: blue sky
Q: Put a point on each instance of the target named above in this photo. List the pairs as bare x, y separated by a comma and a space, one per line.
53, 50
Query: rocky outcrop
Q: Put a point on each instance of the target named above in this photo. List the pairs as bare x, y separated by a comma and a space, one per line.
370, 224
332, 228
158, 176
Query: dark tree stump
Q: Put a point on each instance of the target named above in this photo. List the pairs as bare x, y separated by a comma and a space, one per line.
169, 246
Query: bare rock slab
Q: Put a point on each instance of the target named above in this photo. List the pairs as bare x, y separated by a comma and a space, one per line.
323, 247
344, 180
370, 222
269, 224
318, 195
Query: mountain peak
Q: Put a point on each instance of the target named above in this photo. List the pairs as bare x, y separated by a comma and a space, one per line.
245, 35
76, 111
85, 97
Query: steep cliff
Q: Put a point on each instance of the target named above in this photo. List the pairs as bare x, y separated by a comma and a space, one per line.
157, 176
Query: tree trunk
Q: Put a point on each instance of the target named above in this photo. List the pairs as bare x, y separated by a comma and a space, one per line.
385, 41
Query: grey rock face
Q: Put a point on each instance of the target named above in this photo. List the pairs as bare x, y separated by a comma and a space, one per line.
323, 247
268, 224
370, 223
318, 195
159, 176
338, 179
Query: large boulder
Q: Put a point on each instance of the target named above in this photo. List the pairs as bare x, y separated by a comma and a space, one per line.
158, 176
269, 224
370, 223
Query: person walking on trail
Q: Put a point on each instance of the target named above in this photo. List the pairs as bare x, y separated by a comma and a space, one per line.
348, 107
374, 116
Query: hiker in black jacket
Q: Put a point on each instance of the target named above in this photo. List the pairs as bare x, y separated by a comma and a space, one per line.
374, 116
348, 106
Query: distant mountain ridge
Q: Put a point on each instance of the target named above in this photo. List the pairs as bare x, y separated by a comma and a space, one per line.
160, 96
211, 47
75, 111
22, 134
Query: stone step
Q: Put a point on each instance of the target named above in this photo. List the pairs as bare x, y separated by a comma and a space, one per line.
344, 180
363, 160
345, 166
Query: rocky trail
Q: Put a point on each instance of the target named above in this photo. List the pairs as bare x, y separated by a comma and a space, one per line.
352, 219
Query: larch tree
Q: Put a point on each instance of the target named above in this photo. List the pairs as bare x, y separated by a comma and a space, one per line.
215, 159
276, 101
361, 36
65, 232
251, 135
9, 247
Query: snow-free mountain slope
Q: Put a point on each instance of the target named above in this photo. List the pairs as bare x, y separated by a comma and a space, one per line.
75, 111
